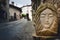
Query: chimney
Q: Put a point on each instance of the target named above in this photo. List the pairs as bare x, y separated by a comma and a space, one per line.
12, 3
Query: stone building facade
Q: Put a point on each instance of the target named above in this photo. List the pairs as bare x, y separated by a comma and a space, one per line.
27, 9
4, 5
15, 12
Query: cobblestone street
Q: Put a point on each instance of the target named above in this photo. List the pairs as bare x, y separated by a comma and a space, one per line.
17, 30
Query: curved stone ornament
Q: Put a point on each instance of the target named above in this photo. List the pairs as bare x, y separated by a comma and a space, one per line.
46, 21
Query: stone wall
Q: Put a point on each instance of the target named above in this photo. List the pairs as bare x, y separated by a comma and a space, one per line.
4, 4
12, 11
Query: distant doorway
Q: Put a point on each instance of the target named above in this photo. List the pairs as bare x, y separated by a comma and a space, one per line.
15, 16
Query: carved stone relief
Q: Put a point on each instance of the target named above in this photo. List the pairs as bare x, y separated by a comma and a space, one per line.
46, 20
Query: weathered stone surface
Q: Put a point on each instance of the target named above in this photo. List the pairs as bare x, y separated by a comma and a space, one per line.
46, 23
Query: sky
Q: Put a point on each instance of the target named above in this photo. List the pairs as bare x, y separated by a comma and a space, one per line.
21, 3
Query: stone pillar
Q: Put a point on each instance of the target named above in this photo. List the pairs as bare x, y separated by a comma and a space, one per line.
7, 9
46, 22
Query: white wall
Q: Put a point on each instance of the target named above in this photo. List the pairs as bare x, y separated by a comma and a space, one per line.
24, 11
